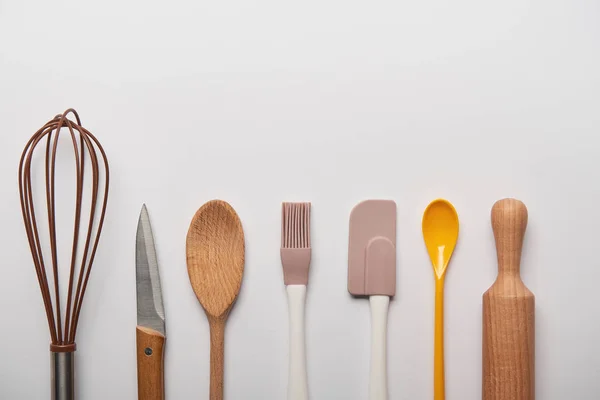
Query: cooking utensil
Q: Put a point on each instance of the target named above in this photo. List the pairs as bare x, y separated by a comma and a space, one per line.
150, 331
372, 272
215, 262
440, 232
295, 258
63, 327
509, 313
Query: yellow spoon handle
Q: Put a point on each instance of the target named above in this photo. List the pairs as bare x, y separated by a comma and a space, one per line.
438, 364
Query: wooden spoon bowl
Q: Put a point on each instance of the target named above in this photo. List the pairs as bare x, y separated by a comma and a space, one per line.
215, 263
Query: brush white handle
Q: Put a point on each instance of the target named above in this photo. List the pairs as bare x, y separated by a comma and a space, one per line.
298, 381
378, 380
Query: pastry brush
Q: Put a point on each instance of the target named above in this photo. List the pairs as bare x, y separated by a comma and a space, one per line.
295, 258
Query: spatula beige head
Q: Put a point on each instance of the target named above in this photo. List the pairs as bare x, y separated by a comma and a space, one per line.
215, 262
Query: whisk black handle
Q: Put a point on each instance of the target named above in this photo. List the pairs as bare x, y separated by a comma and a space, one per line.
63, 375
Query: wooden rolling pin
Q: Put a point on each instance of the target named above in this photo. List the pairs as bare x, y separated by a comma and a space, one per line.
508, 313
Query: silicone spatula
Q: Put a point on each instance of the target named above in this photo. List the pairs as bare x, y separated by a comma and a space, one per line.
372, 273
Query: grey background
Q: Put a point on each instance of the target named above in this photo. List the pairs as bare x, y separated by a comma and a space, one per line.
327, 101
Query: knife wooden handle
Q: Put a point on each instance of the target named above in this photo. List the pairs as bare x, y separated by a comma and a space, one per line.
508, 313
150, 345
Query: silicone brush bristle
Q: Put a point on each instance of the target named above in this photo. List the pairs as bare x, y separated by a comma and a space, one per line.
295, 226
295, 242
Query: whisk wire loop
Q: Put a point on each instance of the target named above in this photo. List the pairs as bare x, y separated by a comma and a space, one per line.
83, 142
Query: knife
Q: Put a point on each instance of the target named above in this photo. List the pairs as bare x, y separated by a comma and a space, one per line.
150, 331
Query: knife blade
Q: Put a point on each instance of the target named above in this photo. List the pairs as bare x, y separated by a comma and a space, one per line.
150, 331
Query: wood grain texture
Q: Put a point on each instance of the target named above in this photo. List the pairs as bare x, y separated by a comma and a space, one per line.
215, 262
217, 357
508, 313
150, 344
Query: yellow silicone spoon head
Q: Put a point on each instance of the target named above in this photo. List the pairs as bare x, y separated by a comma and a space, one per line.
440, 232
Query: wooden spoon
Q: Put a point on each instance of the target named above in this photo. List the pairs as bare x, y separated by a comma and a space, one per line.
215, 262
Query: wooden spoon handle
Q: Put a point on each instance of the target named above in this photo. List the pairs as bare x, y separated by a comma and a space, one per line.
509, 220
217, 357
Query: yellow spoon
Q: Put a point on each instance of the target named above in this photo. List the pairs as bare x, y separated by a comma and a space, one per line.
440, 231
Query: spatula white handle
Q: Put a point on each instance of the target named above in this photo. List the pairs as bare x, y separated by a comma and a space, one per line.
378, 380
298, 382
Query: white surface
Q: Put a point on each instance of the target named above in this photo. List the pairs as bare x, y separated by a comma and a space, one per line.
259, 102
297, 379
378, 389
